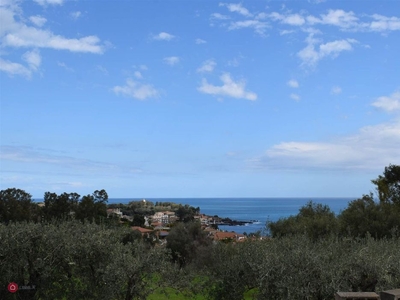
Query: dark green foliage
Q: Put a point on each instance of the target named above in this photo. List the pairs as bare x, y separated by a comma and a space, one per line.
314, 220
311, 255
75, 260
138, 220
61, 206
229, 273
93, 208
388, 185
186, 213
131, 237
365, 216
362, 216
16, 205
296, 267
185, 240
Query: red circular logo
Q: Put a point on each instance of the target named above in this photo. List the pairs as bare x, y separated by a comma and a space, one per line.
12, 287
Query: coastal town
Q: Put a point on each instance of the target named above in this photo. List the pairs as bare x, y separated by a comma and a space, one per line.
156, 220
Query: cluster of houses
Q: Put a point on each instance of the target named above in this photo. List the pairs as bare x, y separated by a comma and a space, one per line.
158, 225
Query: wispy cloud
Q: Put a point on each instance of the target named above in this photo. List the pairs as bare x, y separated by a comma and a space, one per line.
138, 75
38, 20
295, 97
200, 41
381, 23
258, 26
49, 2
12, 68
29, 155
163, 36
344, 20
171, 60
219, 16
238, 8
312, 53
371, 148
136, 90
65, 67
207, 66
76, 15
17, 34
388, 103
338, 17
291, 19
336, 90
33, 59
293, 83
229, 88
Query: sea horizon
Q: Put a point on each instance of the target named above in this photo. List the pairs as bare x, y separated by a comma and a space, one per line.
260, 210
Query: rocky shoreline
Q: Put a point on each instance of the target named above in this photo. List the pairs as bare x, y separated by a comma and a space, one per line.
230, 222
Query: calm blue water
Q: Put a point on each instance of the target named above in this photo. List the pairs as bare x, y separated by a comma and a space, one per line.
244, 209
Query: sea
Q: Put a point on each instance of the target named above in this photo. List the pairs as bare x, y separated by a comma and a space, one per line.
255, 210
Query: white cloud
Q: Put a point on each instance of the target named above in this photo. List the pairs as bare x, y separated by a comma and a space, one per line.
163, 36
382, 23
32, 37
338, 18
295, 97
237, 7
293, 83
389, 104
76, 15
172, 60
295, 19
200, 41
12, 68
310, 55
136, 90
33, 59
138, 75
38, 20
229, 88
292, 19
333, 48
349, 21
372, 147
261, 15
258, 26
284, 32
344, 20
336, 90
49, 2
218, 16
15, 33
207, 66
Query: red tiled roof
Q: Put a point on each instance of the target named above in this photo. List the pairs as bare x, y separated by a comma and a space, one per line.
141, 229
227, 235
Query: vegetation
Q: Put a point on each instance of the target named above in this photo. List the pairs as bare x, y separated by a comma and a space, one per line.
68, 249
362, 217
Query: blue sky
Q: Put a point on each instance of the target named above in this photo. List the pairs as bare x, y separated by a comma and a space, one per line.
199, 98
